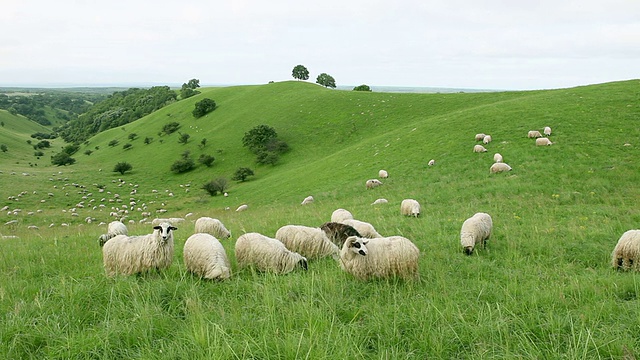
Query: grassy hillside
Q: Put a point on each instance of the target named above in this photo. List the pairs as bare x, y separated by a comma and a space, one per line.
543, 288
15, 133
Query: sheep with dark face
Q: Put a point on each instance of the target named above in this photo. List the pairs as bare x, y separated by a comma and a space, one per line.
393, 256
338, 233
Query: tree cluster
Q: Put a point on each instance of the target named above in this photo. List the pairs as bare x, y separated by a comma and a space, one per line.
46, 106
263, 141
203, 107
189, 89
300, 72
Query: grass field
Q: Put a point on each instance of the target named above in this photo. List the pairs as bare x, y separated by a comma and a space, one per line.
543, 287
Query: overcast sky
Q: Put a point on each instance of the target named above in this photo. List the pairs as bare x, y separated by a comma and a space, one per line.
481, 44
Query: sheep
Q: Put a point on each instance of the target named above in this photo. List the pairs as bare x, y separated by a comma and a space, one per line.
497, 158
380, 201
205, 256
534, 134
267, 254
394, 256
309, 242
431, 162
486, 139
173, 221
626, 254
479, 148
364, 228
476, 229
383, 174
213, 227
308, 200
338, 233
480, 136
113, 229
543, 142
242, 207
547, 131
128, 255
499, 167
410, 207
371, 183
341, 214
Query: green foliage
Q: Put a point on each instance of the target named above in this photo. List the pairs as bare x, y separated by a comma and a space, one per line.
122, 167
38, 153
148, 140
189, 89
267, 157
127, 146
4, 148
113, 142
242, 174
326, 80
184, 164
71, 149
42, 144
203, 143
362, 87
40, 136
215, 187
203, 107
88, 152
171, 127
206, 160
257, 138
184, 138
62, 159
132, 136
300, 72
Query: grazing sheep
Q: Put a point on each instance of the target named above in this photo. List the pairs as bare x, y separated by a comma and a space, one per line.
338, 233
266, 254
497, 158
499, 167
534, 134
626, 254
113, 229
172, 221
205, 256
371, 183
431, 162
341, 214
393, 256
476, 229
410, 207
128, 255
547, 131
480, 136
543, 142
383, 174
242, 207
308, 200
213, 227
309, 242
380, 201
486, 139
364, 228
479, 148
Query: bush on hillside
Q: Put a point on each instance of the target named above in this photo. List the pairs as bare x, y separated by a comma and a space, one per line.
242, 174
216, 186
62, 159
203, 107
170, 128
362, 87
71, 149
4, 148
206, 160
184, 138
127, 146
113, 142
184, 164
122, 167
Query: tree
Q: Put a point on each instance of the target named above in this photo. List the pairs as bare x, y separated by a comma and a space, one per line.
132, 136
216, 186
86, 152
148, 140
206, 160
127, 146
122, 167
170, 128
257, 138
4, 148
242, 173
113, 142
300, 72
362, 87
326, 80
203, 107
189, 89
203, 143
184, 138
62, 158
184, 164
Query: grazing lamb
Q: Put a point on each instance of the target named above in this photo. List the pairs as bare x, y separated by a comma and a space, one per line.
497, 158
534, 134
338, 233
371, 183
383, 174
626, 254
431, 162
547, 131
213, 227
479, 148
380, 201
543, 142
128, 255
393, 256
364, 228
113, 229
267, 254
410, 207
205, 256
242, 207
480, 136
341, 214
307, 200
476, 229
486, 139
499, 167
309, 242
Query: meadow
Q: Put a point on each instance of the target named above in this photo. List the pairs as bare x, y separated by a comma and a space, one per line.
542, 288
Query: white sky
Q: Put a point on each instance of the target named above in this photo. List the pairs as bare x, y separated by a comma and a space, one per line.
483, 44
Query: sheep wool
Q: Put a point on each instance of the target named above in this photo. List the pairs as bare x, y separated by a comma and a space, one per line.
486, 139
213, 227
267, 254
499, 167
393, 256
431, 162
205, 256
497, 158
380, 201
543, 142
475, 230
113, 229
534, 134
480, 136
383, 174
364, 228
341, 214
410, 207
308, 200
479, 148
372, 183
626, 254
242, 207
309, 242
338, 233
128, 255
547, 131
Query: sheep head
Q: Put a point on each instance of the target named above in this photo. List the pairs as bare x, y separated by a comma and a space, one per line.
357, 245
164, 230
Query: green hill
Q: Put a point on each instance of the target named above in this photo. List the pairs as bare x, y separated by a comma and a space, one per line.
15, 133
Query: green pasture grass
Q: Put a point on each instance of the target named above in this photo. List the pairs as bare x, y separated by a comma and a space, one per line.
542, 288
15, 133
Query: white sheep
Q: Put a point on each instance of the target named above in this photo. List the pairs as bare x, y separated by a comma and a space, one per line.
371, 183
393, 256
534, 134
380, 201
205, 256
266, 254
113, 229
499, 167
497, 157
431, 162
172, 221
309, 242
480, 136
128, 255
626, 254
475, 230
308, 200
383, 174
486, 139
213, 227
364, 228
341, 214
543, 142
410, 207
547, 131
479, 148
242, 207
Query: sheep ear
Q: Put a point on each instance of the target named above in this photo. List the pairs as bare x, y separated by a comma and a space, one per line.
365, 242
173, 228
157, 228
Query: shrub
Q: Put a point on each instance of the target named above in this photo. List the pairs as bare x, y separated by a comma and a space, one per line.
132, 136
184, 138
206, 160
38, 153
148, 140
70, 149
267, 158
184, 164
203, 107
127, 146
170, 128
362, 87
113, 142
242, 173
216, 186
258, 137
88, 152
122, 167
4, 148
62, 158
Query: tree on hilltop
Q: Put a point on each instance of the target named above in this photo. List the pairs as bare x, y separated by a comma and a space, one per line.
326, 80
300, 73
362, 87
189, 89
